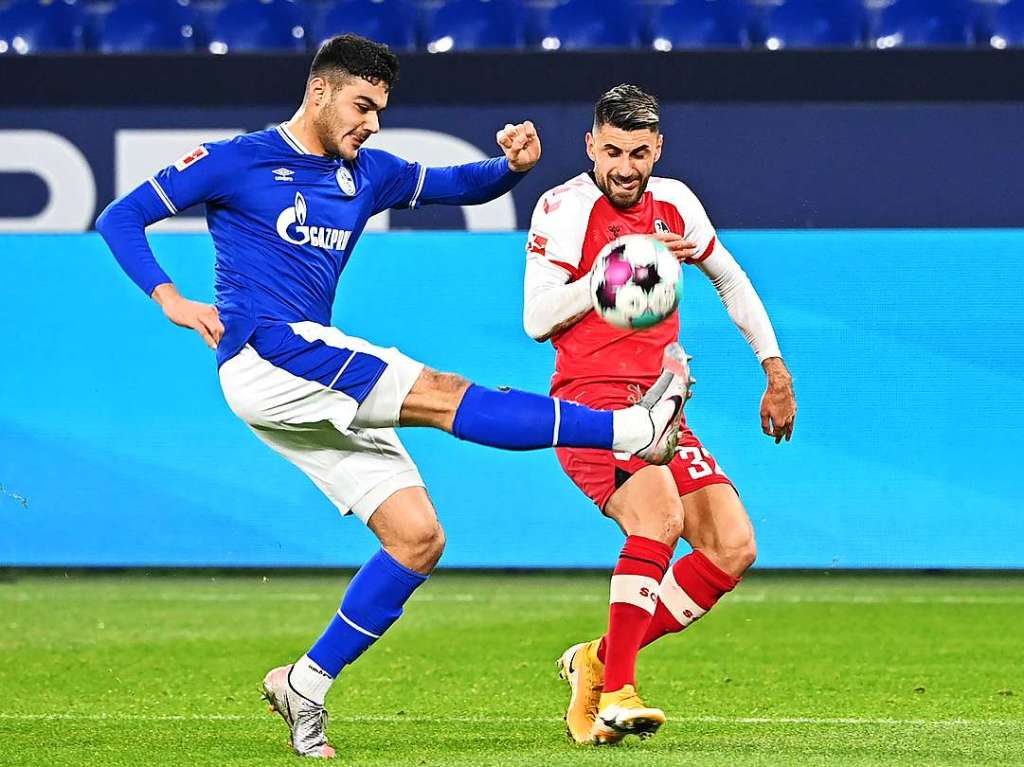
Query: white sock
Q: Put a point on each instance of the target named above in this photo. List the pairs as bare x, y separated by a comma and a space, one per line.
632, 429
309, 680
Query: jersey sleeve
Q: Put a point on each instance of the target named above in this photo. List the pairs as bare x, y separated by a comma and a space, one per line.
206, 174
556, 232
699, 229
394, 181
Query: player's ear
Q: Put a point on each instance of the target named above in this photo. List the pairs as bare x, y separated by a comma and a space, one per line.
590, 146
657, 147
317, 90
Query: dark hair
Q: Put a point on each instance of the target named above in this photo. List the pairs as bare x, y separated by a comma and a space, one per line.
627, 107
355, 56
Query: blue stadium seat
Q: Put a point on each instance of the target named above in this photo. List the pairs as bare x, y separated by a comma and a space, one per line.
464, 25
33, 26
593, 24
387, 21
139, 26
258, 25
901, 23
998, 23
695, 24
809, 24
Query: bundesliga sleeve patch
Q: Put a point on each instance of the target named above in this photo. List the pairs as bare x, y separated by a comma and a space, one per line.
191, 158
537, 244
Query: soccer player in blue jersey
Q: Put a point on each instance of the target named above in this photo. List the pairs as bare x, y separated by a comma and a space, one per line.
285, 207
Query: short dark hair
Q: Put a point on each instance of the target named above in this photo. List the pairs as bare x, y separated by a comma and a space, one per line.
627, 107
355, 56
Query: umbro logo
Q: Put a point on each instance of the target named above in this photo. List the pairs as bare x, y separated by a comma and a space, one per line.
283, 174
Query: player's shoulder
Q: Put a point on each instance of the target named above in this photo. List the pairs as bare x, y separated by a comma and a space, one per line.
232, 151
371, 161
568, 204
673, 191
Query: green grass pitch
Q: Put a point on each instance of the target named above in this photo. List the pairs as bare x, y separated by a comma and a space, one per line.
790, 670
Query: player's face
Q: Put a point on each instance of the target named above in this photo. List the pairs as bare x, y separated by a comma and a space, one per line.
623, 161
349, 113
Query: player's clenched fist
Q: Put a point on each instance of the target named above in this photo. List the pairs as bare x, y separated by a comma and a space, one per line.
521, 145
200, 317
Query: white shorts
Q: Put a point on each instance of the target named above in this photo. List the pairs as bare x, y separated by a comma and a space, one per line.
327, 402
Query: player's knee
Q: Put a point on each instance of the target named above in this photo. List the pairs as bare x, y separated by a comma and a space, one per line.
445, 384
746, 554
424, 545
735, 555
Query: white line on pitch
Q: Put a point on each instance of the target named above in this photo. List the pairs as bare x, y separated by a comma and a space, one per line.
392, 718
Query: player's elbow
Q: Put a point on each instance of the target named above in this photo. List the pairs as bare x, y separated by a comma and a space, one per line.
535, 329
105, 219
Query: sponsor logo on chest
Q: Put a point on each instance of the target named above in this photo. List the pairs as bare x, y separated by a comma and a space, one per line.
292, 227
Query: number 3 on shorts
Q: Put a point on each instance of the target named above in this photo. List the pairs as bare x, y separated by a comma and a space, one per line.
699, 467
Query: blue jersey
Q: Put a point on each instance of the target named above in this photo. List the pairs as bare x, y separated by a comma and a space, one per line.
283, 221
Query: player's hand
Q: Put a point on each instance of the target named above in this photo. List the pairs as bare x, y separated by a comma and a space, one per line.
778, 405
521, 145
678, 246
200, 317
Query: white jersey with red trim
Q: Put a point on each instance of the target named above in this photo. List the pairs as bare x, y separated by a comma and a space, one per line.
571, 224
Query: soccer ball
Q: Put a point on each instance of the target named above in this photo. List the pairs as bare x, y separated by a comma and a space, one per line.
636, 282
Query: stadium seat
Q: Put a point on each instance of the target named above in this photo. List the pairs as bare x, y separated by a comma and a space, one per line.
165, 25
33, 26
258, 25
998, 23
899, 23
386, 21
592, 24
695, 24
462, 25
808, 24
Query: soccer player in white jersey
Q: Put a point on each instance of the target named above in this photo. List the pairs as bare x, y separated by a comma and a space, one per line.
285, 207
602, 366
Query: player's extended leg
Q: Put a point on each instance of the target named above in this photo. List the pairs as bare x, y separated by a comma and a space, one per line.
518, 420
411, 544
719, 530
648, 509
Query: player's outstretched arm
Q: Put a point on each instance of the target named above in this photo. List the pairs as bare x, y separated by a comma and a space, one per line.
778, 404
478, 182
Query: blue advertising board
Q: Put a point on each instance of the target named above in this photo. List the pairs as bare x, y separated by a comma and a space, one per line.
753, 165
116, 447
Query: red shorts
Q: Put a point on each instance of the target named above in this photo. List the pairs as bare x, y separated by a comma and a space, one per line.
599, 473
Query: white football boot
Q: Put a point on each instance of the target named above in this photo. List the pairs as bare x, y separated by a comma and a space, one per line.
306, 720
664, 401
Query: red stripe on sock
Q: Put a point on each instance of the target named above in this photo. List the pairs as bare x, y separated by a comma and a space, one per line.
627, 623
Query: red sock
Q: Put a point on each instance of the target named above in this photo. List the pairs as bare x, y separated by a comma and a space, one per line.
689, 590
634, 595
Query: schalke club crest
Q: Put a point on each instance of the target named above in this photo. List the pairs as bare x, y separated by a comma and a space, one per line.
345, 181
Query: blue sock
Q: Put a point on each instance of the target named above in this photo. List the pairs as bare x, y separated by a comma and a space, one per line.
519, 420
372, 602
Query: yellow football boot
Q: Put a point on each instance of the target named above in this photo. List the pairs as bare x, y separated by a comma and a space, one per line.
580, 667
623, 713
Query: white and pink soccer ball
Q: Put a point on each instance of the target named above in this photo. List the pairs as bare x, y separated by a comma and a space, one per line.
636, 282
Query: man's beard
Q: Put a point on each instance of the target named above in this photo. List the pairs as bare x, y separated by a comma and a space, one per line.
618, 201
